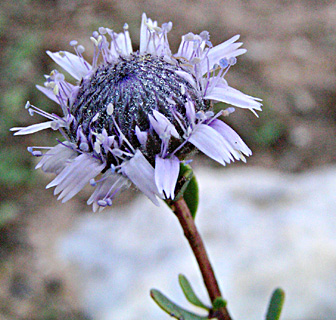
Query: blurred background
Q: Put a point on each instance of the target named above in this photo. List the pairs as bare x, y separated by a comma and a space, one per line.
290, 64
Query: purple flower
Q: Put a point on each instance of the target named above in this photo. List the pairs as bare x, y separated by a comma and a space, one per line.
134, 116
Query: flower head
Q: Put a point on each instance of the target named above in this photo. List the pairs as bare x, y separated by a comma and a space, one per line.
134, 116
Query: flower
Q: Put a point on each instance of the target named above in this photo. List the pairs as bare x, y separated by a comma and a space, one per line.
134, 116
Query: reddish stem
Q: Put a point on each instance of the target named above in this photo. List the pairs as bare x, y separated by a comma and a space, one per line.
187, 222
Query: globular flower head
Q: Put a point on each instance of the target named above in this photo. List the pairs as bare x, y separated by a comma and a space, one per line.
134, 116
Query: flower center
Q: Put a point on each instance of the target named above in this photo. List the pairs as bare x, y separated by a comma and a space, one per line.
134, 86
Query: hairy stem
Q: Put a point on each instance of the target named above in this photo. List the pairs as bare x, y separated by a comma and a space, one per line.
183, 214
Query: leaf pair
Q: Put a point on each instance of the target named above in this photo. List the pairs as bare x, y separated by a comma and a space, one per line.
175, 310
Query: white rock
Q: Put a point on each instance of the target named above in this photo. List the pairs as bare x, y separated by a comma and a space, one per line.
263, 229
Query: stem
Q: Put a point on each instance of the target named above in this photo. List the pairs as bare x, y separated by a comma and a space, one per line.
187, 222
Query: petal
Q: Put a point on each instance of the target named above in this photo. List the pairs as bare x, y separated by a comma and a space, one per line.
153, 39
121, 44
234, 97
190, 45
143, 34
32, 129
141, 173
210, 142
187, 76
48, 92
55, 160
235, 143
190, 111
166, 174
141, 135
147, 34
75, 176
71, 63
185, 49
162, 125
67, 92
226, 49
127, 43
109, 185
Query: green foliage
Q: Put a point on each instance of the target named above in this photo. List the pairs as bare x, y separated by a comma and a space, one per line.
173, 309
187, 187
184, 178
219, 303
275, 305
190, 294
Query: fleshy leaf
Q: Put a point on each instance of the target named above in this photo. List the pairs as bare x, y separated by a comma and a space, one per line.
184, 178
219, 303
191, 196
275, 305
190, 294
173, 309
187, 187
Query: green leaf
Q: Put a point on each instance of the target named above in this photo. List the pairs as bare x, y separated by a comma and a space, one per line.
191, 196
184, 178
190, 294
219, 303
187, 187
173, 309
275, 305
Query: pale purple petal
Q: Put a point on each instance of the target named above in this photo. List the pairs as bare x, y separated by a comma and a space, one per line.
187, 76
190, 111
32, 129
75, 176
186, 49
143, 34
127, 43
166, 174
153, 39
48, 92
234, 97
141, 135
226, 49
121, 45
109, 185
141, 173
55, 160
147, 34
162, 125
71, 63
210, 142
236, 144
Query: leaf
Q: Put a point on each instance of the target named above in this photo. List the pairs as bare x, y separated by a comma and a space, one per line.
188, 188
275, 305
173, 309
191, 196
190, 294
219, 303
184, 178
